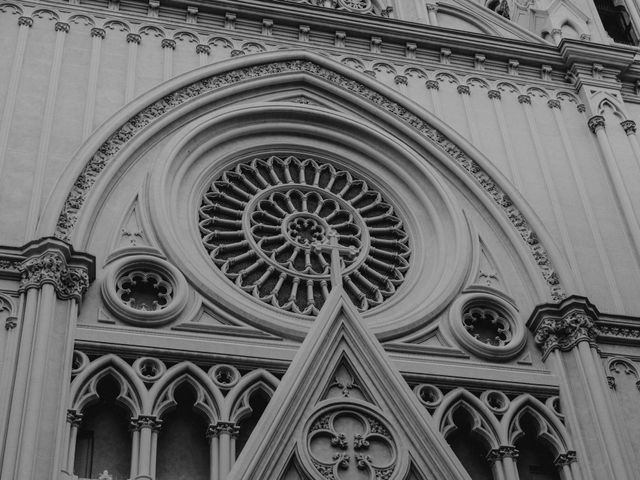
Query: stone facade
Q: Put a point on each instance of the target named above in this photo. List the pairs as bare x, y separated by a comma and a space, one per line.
339, 239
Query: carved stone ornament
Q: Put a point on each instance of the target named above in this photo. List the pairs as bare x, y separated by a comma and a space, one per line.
113, 145
228, 428
145, 421
629, 126
595, 123
263, 221
347, 443
51, 268
565, 333
504, 451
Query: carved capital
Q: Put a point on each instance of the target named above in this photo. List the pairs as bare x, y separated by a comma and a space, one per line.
74, 417
432, 7
62, 27
133, 38
464, 90
168, 43
146, 421
98, 32
554, 104
10, 323
595, 123
581, 107
25, 21
629, 127
229, 428
203, 49
611, 382
494, 94
564, 325
400, 80
565, 458
524, 99
432, 84
503, 451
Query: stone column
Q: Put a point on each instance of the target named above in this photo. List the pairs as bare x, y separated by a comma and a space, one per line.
133, 39
147, 427
503, 461
432, 12
225, 434
97, 36
168, 46
629, 127
566, 333
214, 453
203, 51
465, 93
74, 419
53, 278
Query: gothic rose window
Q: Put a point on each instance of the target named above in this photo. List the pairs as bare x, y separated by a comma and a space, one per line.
263, 221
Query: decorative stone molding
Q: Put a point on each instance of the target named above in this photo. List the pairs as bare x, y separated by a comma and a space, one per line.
432, 85
463, 90
192, 15
133, 38
228, 428
479, 61
487, 326
503, 451
109, 149
629, 127
429, 395
98, 32
400, 80
595, 123
144, 290
230, 21
49, 261
494, 94
564, 325
545, 72
25, 22
203, 49
554, 104
168, 43
62, 27
524, 99
74, 417
496, 401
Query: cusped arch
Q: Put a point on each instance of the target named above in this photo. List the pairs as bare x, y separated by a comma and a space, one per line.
132, 392
161, 398
152, 31
485, 424
14, 8
82, 19
236, 406
45, 13
145, 116
117, 25
621, 364
549, 429
186, 36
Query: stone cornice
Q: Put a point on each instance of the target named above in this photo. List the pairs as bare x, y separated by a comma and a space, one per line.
564, 325
48, 261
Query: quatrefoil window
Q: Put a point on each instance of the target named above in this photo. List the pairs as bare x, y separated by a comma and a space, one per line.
347, 444
260, 221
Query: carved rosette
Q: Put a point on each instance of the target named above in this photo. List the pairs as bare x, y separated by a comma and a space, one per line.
564, 332
263, 221
348, 443
51, 267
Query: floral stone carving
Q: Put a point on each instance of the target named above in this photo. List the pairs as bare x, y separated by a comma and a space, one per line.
263, 221
347, 444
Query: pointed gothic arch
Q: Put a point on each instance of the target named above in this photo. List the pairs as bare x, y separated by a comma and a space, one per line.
236, 404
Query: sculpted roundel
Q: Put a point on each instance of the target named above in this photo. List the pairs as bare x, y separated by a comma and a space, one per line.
264, 223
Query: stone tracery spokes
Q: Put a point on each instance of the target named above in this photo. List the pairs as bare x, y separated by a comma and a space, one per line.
261, 221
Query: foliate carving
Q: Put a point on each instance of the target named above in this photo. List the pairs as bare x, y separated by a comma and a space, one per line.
400, 80
25, 21
228, 428
611, 382
62, 27
203, 49
263, 221
494, 94
74, 417
168, 43
109, 149
10, 323
553, 104
98, 32
146, 421
581, 107
133, 38
629, 126
565, 333
347, 444
146, 291
565, 458
524, 99
51, 267
432, 84
464, 90
595, 123
504, 451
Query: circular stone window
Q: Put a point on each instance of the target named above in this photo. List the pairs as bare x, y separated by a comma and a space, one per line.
269, 225
144, 290
487, 326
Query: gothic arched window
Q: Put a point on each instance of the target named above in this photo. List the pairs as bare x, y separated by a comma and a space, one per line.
616, 21
535, 460
470, 449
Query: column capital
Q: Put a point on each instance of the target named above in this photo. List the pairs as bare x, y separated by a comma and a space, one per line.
432, 84
168, 43
49, 261
400, 80
595, 123
629, 127
565, 458
432, 6
74, 417
25, 21
503, 451
464, 90
524, 99
145, 421
553, 104
494, 94
98, 32
564, 325
134, 38
202, 48
62, 27
229, 428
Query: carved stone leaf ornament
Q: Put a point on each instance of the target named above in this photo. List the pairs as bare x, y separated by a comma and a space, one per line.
109, 149
262, 222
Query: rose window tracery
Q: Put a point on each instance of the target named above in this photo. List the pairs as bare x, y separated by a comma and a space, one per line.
487, 325
146, 291
347, 444
264, 224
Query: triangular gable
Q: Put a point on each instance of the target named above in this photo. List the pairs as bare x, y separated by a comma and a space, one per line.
343, 437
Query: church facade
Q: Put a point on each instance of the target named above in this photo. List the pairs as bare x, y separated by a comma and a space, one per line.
319, 240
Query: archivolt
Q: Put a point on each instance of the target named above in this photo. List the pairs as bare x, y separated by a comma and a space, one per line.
106, 144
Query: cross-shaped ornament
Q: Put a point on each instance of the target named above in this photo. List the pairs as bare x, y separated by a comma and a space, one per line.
336, 250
